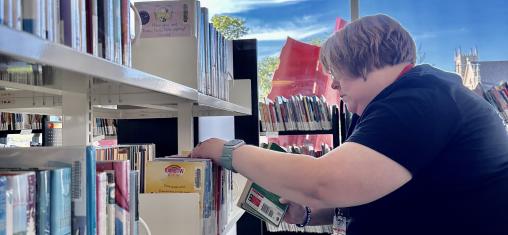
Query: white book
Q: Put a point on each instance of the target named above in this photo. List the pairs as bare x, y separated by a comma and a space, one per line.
42, 18
9, 213
117, 31
2, 11
7, 12
49, 19
82, 25
56, 21
17, 15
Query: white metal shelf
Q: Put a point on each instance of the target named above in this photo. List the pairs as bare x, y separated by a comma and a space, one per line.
29, 48
122, 85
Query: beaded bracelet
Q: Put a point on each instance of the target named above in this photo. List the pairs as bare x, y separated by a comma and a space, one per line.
307, 218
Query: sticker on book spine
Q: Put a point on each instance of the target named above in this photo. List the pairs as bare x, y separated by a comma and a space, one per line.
264, 206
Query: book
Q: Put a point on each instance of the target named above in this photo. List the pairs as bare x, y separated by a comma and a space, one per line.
133, 195
43, 213
260, 202
110, 203
121, 170
102, 183
184, 175
3, 203
17, 182
61, 201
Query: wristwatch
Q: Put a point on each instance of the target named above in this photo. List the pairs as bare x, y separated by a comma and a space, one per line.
226, 160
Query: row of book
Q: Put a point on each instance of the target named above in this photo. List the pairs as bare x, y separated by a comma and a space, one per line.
35, 201
306, 149
138, 155
24, 73
498, 97
105, 127
215, 55
299, 112
188, 175
18, 121
99, 27
85, 196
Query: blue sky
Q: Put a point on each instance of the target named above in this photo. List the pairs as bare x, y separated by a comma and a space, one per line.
438, 26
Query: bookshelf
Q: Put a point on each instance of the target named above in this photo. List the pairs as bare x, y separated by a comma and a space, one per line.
82, 87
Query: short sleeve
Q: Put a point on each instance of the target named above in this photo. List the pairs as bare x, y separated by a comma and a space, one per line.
412, 127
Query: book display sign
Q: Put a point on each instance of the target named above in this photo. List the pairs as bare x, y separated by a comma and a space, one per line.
165, 19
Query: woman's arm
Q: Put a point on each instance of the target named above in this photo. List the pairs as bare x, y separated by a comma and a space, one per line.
350, 175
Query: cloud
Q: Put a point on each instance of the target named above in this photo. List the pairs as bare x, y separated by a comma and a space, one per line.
281, 33
298, 28
440, 33
233, 6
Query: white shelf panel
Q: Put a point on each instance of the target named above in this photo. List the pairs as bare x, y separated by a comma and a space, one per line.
211, 106
27, 47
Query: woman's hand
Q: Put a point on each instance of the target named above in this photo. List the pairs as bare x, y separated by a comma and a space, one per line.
295, 213
209, 149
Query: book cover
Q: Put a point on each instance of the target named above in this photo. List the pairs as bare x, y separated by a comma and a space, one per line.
17, 182
260, 202
61, 201
121, 170
43, 212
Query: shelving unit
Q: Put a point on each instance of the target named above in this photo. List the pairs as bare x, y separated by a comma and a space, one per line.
83, 87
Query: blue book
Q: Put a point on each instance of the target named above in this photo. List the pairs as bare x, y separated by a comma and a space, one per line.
3, 194
61, 201
91, 210
43, 216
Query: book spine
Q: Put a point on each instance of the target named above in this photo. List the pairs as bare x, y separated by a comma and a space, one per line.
48, 4
31, 17
42, 19
56, 21
3, 203
133, 206
17, 15
9, 211
8, 13
108, 30
117, 31
111, 205
126, 33
2, 5
19, 186
30, 207
43, 218
61, 201
102, 183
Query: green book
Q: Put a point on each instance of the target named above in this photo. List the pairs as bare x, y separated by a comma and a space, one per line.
260, 202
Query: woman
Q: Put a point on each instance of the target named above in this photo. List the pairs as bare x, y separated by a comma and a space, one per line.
426, 155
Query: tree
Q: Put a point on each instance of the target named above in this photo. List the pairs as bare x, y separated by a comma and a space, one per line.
230, 27
266, 69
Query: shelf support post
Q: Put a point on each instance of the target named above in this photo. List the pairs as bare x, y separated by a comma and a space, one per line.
185, 127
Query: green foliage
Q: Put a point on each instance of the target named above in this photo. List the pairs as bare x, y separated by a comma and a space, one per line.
230, 27
266, 69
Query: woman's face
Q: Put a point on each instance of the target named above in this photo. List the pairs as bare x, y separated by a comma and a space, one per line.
353, 90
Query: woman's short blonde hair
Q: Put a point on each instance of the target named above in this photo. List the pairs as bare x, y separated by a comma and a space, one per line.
371, 42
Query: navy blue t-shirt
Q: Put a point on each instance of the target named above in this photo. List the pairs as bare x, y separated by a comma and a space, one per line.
455, 146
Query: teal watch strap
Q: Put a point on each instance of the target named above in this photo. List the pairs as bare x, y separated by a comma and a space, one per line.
226, 159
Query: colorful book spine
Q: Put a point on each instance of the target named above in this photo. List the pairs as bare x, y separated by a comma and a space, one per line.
3, 203
61, 201
126, 34
43, 217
